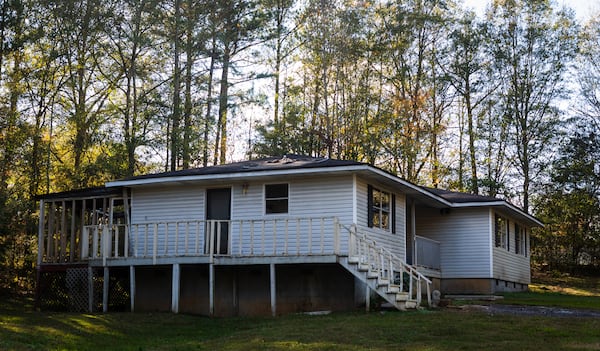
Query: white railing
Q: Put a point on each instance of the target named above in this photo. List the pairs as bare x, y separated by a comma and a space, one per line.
427, 253
387, 265
247, 237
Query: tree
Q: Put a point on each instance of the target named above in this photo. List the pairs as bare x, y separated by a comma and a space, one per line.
468, 72
534, 45
570, 205
588, 73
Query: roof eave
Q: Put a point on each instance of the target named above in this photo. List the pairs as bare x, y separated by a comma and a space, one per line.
502, 203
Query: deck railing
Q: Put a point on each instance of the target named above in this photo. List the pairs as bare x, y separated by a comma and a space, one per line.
247, 237
428, 253
387, 265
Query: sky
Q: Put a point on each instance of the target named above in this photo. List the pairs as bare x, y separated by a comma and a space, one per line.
583, 8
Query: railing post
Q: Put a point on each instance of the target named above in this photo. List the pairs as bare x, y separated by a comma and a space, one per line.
336, 236
155, 243
310, 236
166, 238
187, 234
211, 240
106, 243
197, 237
176, 238
94, 252
115, 229
241, 238
322, 235
285, 246
274, 237
262, 238
126, 242
252, 237
85, 242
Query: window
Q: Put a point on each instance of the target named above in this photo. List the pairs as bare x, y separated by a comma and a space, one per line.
501, 232
520, 240
381, 213
276, 198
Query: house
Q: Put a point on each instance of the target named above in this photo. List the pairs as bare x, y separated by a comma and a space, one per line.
274, 236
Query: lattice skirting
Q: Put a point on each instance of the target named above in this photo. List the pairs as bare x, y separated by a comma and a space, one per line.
68, 289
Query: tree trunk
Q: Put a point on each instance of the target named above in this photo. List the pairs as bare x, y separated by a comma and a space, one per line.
175, 119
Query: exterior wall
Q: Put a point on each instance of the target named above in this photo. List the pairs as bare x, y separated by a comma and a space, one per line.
467, 236
464, 236
314, 287
245, 290
394, 242
316, 197
509, 266
193, 289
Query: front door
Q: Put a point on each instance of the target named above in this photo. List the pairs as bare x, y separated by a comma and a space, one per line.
218, 214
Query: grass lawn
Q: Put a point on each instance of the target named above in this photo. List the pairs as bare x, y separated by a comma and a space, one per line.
21, 328
24, 329
559, 291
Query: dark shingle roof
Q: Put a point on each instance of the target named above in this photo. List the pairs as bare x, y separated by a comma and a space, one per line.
263, 164
100, 191
457, 197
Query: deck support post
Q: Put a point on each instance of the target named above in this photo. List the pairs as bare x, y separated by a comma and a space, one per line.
105, 284
41, 235
132, 287
367, 298
211, 289
90, 290
175, 288
273, 289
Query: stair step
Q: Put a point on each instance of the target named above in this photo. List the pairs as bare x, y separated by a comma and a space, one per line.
411, 304
383, 282
392, 289
363, 267
353, 259
372, 275
401, 296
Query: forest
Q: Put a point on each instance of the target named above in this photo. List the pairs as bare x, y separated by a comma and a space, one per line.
505, 103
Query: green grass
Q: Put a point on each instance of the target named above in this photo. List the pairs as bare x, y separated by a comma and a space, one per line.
24, 329
559, 290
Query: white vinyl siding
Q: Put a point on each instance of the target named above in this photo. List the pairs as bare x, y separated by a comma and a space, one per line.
464, 235
158, 205
314, 197
510, 266
395, 242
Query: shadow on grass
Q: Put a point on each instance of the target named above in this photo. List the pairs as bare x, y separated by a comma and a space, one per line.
24, 329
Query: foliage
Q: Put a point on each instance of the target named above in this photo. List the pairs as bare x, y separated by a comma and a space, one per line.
570, 206
96, 90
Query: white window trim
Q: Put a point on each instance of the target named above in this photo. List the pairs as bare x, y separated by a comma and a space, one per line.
264, 199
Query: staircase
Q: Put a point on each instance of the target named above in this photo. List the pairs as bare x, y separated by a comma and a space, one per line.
396, 282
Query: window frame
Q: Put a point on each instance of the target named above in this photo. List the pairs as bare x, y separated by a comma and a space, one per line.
380, 209
520, 240
266, 199
501, 235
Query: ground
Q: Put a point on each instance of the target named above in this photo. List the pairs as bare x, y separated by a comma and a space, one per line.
494, 327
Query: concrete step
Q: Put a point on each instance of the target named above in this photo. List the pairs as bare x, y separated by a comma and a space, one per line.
363, 267
412, 304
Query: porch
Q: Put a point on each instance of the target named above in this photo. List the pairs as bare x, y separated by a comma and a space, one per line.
94, 233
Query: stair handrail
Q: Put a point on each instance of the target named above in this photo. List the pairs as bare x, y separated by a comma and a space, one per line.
362, 243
